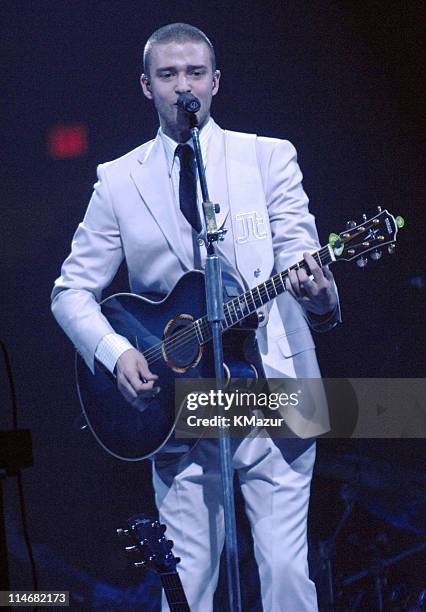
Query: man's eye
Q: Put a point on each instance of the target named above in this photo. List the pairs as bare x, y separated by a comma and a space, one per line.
166, 75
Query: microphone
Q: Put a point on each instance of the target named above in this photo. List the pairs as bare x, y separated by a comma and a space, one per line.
188, 103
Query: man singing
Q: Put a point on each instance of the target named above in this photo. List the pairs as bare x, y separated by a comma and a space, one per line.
138, 213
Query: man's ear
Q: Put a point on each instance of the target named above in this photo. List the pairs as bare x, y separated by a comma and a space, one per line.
146, 86
215, 84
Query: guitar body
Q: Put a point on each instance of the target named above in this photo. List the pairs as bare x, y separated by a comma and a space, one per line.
135, 432
173, 334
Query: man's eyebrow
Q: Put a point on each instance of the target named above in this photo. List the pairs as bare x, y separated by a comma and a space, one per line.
188, 67
164, 68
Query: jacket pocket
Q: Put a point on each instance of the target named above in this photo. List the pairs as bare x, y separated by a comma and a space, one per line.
293, 342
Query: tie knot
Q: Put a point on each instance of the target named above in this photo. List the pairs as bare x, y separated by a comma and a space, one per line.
185, 153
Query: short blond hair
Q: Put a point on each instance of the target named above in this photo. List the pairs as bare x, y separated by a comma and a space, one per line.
176, 32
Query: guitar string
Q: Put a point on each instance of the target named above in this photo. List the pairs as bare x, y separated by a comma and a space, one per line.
159, 356
178, 338
174, 591
178, 341
173, 586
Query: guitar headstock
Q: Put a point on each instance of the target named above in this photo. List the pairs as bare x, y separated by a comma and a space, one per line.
147, 544
370, 236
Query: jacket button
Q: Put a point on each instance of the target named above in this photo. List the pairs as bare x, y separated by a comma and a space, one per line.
200, 241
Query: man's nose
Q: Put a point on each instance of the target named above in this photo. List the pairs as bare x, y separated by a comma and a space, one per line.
182, 84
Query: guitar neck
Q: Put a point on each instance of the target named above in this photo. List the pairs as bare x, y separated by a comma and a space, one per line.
247, 303
175, 594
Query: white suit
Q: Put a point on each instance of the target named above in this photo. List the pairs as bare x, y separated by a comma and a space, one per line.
132, 215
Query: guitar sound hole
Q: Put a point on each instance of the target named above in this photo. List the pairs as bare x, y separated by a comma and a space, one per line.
181, 348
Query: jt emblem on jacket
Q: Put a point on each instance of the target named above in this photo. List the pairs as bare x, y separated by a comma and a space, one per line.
252, 226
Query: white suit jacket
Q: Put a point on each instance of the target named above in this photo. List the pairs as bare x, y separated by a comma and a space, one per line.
132, 215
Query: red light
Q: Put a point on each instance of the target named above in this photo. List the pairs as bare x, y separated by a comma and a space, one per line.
67, 141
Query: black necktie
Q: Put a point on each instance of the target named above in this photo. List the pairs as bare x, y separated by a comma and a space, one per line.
188, 185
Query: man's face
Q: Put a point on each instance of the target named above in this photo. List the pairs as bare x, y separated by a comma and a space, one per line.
177, 68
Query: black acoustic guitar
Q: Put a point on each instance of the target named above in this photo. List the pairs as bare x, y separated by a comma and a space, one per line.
149, 549
174, 336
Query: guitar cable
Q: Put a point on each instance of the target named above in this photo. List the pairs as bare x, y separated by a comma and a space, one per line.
22, 505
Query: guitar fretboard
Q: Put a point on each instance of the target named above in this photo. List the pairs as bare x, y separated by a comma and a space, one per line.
175, 594
247, 303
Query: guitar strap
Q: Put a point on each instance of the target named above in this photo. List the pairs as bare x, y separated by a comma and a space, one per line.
248, 211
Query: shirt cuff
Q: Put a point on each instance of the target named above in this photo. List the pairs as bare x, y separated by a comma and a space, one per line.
110, 348
325, 322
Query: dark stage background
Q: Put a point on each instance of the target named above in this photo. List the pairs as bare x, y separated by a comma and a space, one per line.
343, 81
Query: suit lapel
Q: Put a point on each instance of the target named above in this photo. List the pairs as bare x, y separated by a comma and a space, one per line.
157, 194
216, 173
158, 198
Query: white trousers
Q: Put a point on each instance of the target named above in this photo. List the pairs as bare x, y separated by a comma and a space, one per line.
276, 493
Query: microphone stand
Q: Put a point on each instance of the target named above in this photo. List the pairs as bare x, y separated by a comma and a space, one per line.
214, 299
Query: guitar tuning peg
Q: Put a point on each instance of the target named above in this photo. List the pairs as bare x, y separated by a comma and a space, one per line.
177, 560
350, 224
375, 255
139, 563
379, 209
162, 527
391, 248
132, 548
361, 262
364, 217
170, 543
122, 532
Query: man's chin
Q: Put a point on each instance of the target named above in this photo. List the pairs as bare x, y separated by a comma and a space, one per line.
179, 126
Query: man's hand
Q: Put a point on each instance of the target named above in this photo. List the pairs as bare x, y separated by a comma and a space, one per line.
134, 378
317, 295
